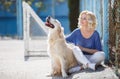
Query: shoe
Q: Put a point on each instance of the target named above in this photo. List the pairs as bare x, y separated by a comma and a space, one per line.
74, 69
92, 66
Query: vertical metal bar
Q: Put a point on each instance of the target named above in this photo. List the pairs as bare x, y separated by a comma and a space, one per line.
19, 19
106, 28
53, 8
102, 19
26, 25
25, 29
85, 7
94, 7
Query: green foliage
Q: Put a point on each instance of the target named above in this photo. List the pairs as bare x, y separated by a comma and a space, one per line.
7, 5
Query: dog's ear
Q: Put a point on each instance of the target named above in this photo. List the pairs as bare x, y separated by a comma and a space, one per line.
61, 32
62, 29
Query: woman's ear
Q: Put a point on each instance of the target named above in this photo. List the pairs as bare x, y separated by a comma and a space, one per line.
90, 23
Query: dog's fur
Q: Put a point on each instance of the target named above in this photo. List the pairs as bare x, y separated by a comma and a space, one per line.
60, 52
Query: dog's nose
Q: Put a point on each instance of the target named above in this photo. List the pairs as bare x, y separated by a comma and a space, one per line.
48, 17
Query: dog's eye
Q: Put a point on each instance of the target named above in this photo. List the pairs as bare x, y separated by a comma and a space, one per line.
55, 20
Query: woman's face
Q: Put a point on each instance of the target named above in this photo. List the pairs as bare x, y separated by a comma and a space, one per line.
83, 20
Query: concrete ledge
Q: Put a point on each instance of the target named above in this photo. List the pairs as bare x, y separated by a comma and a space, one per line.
38, 69
107, 73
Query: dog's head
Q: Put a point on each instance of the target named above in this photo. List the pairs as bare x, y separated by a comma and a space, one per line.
52, 23
54, 26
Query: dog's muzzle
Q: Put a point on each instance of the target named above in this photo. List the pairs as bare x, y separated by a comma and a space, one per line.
48, 23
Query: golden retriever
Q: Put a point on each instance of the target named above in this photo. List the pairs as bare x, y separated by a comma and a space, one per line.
61, 54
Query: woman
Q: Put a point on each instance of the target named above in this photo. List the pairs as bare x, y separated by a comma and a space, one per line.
88, 49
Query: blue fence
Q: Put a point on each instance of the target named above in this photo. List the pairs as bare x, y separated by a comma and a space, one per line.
10, 24
100, 9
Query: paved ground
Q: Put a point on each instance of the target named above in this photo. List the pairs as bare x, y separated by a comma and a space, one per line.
13, 66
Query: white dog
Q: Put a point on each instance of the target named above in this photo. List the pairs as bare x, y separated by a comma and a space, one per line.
60, 52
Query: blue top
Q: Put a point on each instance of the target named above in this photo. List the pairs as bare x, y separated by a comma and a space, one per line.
92, 43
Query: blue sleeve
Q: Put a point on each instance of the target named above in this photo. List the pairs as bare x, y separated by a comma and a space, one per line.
98, 42
71, 37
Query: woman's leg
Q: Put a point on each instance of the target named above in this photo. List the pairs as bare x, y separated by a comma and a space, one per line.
97, 57
87, 60
81, 58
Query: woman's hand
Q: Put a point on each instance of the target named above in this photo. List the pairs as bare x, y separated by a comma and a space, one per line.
91, 51
82, 48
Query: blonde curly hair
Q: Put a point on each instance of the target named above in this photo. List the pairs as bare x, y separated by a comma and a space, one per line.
91, 18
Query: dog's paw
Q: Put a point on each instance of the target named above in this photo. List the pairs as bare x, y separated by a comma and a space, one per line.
64, 75
49, 74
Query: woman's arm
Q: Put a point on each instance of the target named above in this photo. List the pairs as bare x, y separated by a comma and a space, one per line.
97, 47
91, 51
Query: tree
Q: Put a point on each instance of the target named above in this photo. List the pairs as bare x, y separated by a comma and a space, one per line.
73, 13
